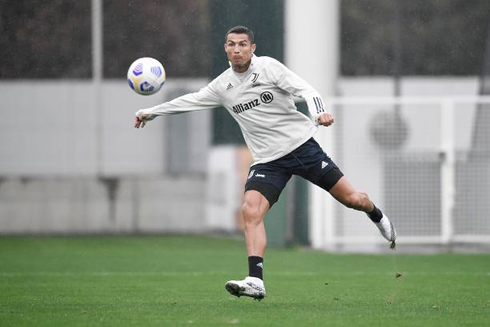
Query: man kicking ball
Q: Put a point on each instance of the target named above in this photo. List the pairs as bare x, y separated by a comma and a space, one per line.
258, 93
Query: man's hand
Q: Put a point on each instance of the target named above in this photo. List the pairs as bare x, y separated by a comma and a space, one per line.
139, 122
141, 119
325, 119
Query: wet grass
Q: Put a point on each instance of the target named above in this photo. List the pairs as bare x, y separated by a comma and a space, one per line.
179, 281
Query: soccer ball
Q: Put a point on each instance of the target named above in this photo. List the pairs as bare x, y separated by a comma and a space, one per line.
146, 76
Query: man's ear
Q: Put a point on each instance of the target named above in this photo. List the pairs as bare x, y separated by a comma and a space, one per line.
254, 46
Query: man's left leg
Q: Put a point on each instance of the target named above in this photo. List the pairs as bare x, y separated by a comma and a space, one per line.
318, 168
346, 194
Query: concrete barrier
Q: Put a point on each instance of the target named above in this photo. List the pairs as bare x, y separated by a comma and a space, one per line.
102, 205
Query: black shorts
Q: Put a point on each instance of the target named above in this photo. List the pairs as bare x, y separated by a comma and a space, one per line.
308, 161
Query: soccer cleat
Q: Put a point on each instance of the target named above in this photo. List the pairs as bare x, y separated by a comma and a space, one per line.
387, 229
250, 286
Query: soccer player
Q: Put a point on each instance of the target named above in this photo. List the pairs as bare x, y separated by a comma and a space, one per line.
258, 93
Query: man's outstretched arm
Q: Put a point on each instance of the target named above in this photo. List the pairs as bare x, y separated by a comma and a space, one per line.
206, 98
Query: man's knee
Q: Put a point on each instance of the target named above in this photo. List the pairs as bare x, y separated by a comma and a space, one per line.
251, 213
254, 207
356, 200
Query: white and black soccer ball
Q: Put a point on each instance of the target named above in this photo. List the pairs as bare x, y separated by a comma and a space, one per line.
146, 76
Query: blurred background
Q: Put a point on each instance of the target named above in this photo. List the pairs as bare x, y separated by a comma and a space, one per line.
406, 82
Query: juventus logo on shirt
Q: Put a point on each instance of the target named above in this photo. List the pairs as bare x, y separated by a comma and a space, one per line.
255, 76
251, 174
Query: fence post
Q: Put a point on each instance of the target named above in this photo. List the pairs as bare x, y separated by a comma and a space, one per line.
322, 211
448, 167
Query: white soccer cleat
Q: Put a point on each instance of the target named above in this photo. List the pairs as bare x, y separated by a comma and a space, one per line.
250, 286
387, 229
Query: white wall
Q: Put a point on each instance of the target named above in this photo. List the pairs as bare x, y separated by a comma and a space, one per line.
423, 120
49, 166
51, 128
81, 205
56, 141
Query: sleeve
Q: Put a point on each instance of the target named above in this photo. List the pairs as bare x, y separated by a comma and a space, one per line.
205, 98
288, 81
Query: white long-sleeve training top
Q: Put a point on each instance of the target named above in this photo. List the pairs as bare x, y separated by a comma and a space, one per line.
261, 101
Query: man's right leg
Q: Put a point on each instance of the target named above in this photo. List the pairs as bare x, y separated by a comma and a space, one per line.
254, 208
262, 189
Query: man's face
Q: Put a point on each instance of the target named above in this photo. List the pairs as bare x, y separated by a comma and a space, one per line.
239, 49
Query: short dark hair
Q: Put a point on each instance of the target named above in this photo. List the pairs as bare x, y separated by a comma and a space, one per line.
241, 30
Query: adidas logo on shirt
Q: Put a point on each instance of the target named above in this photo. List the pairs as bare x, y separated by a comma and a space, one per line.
229, 86
324, 164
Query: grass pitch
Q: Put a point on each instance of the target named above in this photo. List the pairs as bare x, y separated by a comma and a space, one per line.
179, 281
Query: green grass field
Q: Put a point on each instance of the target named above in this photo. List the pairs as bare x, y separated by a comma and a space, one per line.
179, 281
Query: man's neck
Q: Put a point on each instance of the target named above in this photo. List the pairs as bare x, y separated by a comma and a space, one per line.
242, 68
